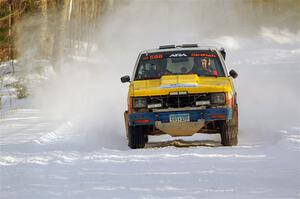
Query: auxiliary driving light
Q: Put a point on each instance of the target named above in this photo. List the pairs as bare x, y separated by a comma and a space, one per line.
179, 93
155, 105
202, 103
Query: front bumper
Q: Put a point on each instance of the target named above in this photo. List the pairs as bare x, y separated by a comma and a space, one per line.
209, 114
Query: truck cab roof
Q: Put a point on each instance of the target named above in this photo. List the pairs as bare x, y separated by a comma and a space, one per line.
182, 47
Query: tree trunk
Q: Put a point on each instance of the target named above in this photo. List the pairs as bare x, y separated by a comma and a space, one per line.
44, 29
10, 30
59, 38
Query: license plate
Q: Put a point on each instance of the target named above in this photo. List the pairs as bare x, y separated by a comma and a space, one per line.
179, 118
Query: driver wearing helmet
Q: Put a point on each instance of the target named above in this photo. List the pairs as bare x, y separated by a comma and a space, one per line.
205, 69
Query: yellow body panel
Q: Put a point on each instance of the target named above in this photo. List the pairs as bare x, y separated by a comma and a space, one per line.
176, 83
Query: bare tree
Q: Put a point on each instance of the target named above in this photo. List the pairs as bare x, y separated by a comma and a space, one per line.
59, 38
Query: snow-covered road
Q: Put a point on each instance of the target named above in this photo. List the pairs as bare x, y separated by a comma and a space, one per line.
38, 161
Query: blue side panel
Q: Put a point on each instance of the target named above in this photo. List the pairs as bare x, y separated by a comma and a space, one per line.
228, 114
141, 116
163, 117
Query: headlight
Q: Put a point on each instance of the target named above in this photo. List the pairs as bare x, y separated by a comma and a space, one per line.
217, 99
139, 102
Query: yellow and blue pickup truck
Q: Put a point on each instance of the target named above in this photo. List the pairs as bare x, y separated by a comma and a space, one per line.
181, 90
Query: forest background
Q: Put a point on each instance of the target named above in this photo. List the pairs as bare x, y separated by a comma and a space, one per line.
62, 28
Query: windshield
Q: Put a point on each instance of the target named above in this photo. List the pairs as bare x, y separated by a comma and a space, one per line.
202, 63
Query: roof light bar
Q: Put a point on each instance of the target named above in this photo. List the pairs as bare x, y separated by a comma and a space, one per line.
189, 45
166, 46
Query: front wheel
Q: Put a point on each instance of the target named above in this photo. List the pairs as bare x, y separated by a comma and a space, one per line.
146, 138
229, 130
136, 137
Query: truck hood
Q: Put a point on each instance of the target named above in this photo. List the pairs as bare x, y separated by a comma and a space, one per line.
173, 83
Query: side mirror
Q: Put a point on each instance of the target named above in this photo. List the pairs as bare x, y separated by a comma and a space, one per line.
233, 74
125, 79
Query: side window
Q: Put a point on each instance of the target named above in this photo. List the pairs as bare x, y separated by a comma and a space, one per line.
148, 69
209, 66
150, 66
217, 67
140, 72
151, 70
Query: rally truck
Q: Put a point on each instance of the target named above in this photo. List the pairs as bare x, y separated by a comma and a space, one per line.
181, 90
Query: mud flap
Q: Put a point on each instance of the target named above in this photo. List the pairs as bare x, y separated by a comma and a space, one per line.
126, 122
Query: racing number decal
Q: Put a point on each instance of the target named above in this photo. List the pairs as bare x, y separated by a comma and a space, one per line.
151, 57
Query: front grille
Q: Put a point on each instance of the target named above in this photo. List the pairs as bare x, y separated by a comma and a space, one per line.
178, 101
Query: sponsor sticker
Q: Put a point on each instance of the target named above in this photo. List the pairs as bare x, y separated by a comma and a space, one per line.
178, 55
203, 55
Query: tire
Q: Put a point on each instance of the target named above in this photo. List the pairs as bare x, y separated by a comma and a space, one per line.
136, 137
229, 130
146, 139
